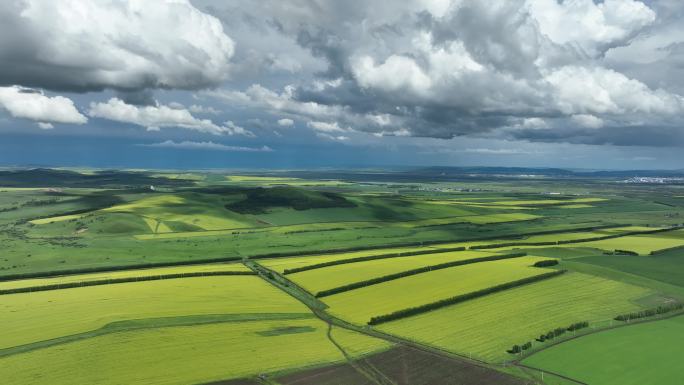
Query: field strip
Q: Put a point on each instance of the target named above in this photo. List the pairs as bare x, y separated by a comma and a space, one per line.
117, 269
154, 323
399, 314
370, 258
408, 273
572, 241
111, 281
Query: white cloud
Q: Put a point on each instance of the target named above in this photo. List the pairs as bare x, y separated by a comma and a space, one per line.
189, 145
588, 121
340, 138
156, 117
395, 74
499, 151
235, 129
591, 26
197, 109
285, 122
35, 105
326, 127
582, 90
45, 126
123, 44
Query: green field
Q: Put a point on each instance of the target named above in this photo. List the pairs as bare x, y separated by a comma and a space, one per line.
648, 353
485, 327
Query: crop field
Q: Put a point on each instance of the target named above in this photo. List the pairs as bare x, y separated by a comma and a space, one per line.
484, 328
137, 273
648, 353
642, 244
281, 264
51, 314
334, 278
184, 354
424, 288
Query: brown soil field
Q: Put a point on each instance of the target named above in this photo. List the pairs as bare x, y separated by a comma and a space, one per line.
404, 366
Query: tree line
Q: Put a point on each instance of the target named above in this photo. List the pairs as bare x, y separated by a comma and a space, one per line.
650, 312
420, 270
551, 334
460, 298
546, 263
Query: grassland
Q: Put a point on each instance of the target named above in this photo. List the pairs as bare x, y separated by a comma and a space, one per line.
178, 209
424, 288
484, 328
648, 353
39, 316
185, 355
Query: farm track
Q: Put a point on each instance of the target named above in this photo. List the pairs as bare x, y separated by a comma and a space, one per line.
318, 308
365, 369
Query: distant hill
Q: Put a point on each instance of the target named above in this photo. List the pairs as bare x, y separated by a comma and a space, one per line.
43, 177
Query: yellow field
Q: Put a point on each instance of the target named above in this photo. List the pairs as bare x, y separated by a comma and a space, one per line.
497, 218
184, 355
280, 264
485, 327
61, 218
360, 305
334, 276
274, 180
122, 274
642, 244
44, 315
548, 202
186, 176
569, 236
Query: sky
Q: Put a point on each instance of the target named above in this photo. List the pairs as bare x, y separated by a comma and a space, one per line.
359, 83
